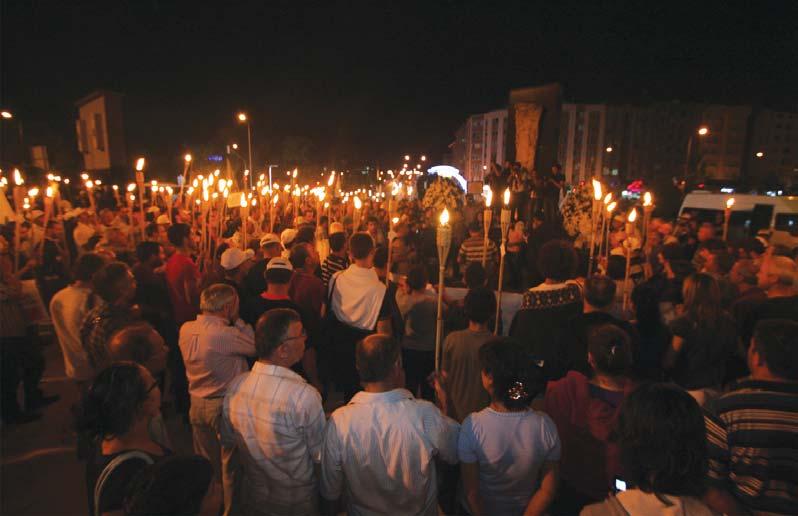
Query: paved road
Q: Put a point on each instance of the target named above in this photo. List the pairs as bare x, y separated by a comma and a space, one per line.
40, 473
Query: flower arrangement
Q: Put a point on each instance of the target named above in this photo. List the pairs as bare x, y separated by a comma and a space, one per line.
443, 193
576, 213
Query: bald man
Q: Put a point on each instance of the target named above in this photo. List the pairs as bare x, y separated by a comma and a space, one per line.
139, 343
778, 277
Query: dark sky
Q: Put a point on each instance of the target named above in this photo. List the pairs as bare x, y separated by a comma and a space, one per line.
373, 80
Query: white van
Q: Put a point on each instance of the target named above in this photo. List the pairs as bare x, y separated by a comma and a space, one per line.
751, 214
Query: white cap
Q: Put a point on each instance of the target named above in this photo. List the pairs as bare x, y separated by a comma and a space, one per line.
279, 263
233, 257
162, 219
287, 236
270, 238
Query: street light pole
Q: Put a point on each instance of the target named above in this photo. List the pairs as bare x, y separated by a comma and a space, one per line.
702, 131
249, 146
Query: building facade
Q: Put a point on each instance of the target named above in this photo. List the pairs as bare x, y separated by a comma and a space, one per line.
480, 141
624, 142
100, 132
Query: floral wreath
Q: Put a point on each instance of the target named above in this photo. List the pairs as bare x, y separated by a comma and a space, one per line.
443, 193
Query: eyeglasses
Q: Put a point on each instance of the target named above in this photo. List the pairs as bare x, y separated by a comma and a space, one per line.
152, 387
302, 335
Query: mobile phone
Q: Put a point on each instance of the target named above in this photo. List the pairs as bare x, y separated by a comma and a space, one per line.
620, 485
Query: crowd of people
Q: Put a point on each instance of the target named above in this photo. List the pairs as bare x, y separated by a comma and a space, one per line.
303, 358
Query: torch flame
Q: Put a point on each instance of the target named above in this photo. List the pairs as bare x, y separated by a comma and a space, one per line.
729, 203
18, 178
243, 201
647, 199
507, 197
140, 164
116, 188
331, 179
49, 192
295, 172
187, 157
445, 216
488, 198
607, 198
276, 198
89, 184
596, 189
395, 220
33, 192
358, 203
131, 187
611, 206
632, 215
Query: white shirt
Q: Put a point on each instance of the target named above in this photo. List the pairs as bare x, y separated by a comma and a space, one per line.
381, 448
68, 308
82, 233
214, 353
277, 423
358, 297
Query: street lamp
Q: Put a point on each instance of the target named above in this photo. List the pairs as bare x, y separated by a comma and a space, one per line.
702, 131
609, 149
6, 114
242, 117
760, 154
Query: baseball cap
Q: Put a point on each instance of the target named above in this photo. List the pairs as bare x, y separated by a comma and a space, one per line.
279, 263
270, 238
287, 236
233, 257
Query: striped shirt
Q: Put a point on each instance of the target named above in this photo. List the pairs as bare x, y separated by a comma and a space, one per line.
275, 419
214, 353
753, 445
471, 250
332, 265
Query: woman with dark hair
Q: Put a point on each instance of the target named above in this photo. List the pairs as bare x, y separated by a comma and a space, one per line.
585, 411
704, 339
509, 454
115, 414
654, 335
663, 451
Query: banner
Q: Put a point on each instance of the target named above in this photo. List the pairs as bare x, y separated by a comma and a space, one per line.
527, 125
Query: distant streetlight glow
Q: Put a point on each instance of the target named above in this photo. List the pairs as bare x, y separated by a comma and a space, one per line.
609, 149
242, 117
235, 146
6, 114
703, 130
760, 154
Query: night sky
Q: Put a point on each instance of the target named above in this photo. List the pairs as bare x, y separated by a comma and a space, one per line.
355, 82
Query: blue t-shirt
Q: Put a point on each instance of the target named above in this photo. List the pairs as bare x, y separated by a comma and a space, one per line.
510, 448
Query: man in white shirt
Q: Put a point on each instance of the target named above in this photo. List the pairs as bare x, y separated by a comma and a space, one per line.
359, 307
84, 230
214, 349
68, 308
381, 447
277, 422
